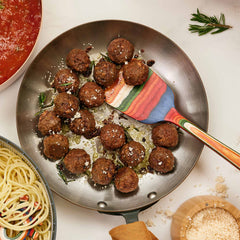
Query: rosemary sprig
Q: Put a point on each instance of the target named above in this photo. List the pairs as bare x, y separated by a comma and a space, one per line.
42, 98
66, 84
61, 173
209, 24
106, 57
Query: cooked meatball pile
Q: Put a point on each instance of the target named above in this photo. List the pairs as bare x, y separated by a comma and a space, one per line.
66, 80
120, 50
55, 146
78, 60
49, 123
91, 95
103, 170
77, 161
161, 159
165, 135
135, 72
112, 136
105, 73
132, 154
83, 122
126, 180
66, 105
74, 106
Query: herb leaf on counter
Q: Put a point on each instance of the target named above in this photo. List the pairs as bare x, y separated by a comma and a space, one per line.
209, 24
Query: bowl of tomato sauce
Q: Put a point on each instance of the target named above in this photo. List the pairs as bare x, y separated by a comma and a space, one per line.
20, 22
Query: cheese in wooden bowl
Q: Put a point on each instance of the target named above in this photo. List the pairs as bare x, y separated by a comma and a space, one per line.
206, 218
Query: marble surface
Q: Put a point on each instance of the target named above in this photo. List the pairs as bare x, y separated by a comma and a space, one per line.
216, 58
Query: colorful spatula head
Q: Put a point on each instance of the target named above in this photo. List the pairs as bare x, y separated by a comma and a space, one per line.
149, 103
152, 102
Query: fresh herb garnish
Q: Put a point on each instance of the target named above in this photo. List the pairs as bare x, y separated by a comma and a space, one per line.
61, 173
1, 5
92, 64
209, 24
128, 136
66, 84
136, 129
106, 57
42, 103
42, 98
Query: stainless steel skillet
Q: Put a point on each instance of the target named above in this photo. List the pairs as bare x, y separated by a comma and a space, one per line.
170, 62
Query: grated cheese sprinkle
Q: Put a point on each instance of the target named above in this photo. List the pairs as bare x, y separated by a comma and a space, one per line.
213, 224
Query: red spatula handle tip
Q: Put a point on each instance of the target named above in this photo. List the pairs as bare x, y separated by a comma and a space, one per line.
226, 152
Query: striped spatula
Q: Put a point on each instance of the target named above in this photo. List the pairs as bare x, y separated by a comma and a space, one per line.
152, 102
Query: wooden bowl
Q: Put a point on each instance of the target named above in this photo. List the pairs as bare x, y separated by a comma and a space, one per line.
184, 214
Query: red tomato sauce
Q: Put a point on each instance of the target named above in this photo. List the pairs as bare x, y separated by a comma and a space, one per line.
19, 27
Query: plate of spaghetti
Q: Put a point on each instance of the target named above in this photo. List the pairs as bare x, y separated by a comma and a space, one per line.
27, 209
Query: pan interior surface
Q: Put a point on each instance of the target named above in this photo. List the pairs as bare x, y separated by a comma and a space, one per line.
171, 63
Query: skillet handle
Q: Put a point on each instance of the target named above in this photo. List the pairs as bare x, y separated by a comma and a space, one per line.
229, 154
130, 217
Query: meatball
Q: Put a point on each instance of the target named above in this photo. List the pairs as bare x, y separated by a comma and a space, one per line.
135, 72
112, 136
126, 180
105, 73
82, 123
165, 135
49, 123
120, 50
103, 171
77, 161
161, 160
78, 60
66, 80
91, 95
132, 154
55, 146
66, 105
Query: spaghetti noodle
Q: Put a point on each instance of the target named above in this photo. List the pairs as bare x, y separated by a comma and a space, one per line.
24, 205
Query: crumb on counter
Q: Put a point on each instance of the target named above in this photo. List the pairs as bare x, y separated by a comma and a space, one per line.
150, 223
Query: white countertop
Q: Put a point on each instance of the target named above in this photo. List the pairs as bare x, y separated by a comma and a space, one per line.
217, 59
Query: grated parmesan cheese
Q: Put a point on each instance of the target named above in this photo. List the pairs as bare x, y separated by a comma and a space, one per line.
213, 224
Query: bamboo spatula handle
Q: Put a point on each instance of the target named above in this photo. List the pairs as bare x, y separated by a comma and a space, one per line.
226, 152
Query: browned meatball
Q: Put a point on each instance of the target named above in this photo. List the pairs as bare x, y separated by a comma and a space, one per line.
120, 50
91, 95
77, 161
66, 80
105, 73
49, 123
126, 180
103, 171
132, 153
83, 122
55, 146
135, 72
78, 60
66, 105
161, 160
165, 135
112, 136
